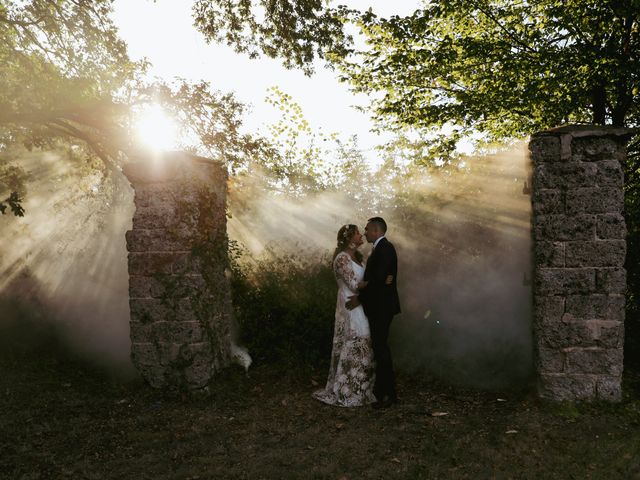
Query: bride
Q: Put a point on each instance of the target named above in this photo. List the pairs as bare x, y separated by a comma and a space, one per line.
352, 370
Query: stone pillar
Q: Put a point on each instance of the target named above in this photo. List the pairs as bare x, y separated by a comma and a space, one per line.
179, 297
579, 252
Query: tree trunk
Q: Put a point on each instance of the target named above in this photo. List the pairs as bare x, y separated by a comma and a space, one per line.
598, 103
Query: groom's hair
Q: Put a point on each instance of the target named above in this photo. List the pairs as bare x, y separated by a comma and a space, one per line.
379, 221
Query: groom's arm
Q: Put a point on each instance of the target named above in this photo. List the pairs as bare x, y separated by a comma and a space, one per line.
379, 276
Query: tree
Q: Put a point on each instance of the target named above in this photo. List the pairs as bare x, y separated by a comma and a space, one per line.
507, 68
503, 68
65, 77
297, 31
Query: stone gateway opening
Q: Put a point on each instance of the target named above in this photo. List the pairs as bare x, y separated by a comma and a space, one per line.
180, 299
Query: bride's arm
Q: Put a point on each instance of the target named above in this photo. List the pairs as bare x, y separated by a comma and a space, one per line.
363, 284
344, 270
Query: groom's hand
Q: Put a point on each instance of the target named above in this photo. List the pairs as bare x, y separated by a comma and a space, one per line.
353, 302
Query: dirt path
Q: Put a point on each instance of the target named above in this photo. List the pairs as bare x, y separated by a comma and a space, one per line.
61, 419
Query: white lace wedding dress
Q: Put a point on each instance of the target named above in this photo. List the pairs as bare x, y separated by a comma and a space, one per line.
352, 370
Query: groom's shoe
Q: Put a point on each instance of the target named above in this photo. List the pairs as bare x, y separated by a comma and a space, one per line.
386, 402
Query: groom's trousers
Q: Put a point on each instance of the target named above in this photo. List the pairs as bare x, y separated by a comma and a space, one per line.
385, 378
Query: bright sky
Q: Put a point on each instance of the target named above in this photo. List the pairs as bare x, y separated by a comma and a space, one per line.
163, 32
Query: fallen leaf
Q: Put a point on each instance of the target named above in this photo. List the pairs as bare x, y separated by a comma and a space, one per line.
439, 414
509, 432
395, 460
339, 425
502, 399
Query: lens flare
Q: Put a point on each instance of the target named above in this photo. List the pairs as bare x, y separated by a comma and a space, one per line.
156, 129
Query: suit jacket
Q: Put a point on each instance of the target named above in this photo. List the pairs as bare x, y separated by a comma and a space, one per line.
377, 298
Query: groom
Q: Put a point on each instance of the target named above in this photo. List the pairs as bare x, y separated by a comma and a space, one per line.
380, 302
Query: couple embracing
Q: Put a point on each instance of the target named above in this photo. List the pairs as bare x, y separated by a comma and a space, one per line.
361, 371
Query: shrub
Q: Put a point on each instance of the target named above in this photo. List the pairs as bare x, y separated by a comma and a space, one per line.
285, 307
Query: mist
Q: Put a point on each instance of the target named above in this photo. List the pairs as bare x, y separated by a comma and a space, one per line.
463, 241
64, 281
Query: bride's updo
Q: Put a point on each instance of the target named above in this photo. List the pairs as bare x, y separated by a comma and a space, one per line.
345, 234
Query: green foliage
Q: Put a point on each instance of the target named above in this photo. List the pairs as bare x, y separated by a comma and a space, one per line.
285, 306
299, 31
501, 67
66, 78
14, 203
508, 68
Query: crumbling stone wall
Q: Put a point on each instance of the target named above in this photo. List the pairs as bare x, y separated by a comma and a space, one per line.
180, 300
579, 252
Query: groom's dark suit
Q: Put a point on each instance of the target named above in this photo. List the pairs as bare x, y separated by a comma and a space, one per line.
381, 302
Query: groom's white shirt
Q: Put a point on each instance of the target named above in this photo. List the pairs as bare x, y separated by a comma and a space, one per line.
377, 241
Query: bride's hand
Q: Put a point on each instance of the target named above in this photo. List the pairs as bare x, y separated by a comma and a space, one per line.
389, 280
362, 284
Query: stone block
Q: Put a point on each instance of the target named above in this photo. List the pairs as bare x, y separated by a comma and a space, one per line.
178, 332
609, 174
599, 253
154, 218
606, 333
556, 335
544, 149
548, 308
611, 280
146, 310
594, 360
557, 281
186, 263
159, 240
154, 374
564, 228
609, 388
597, 148
549, 360
151, 263
559, 335
594, 200
568, 175
200, 369
144, 353
145, 287
595, 306
611, 226
562, 386
549, 254
548, 201
182, 286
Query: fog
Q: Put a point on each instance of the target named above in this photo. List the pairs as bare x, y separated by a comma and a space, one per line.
64, 264
463, 243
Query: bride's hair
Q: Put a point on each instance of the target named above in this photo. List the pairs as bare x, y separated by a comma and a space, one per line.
345, 234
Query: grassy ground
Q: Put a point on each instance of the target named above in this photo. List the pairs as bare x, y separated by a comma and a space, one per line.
63, 419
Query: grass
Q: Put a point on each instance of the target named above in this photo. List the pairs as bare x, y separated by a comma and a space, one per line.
63, 418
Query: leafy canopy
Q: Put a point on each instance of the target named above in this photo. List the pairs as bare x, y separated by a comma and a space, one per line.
66, 79
502, 67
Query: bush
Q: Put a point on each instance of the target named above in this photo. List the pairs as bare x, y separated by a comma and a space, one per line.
285, 307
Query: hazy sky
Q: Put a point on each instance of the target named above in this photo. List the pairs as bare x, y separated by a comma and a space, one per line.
163, 32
